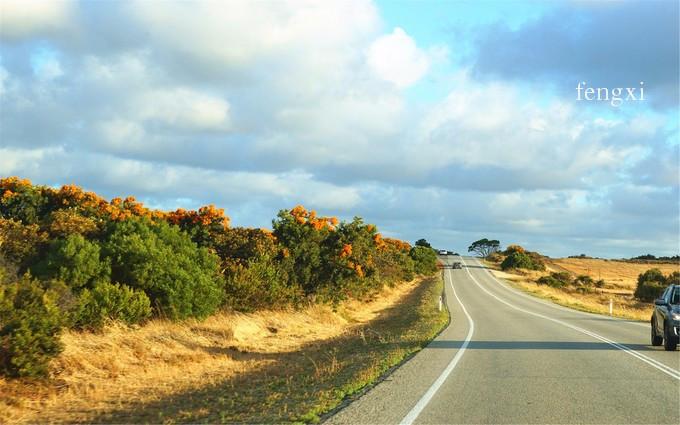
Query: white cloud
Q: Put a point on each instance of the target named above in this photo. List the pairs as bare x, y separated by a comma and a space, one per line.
25, 18
396, 58
260, 106
306, 40
185, 108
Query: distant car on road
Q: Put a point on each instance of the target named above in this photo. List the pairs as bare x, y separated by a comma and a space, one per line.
449, 252
457, 266
442, 252
665, 319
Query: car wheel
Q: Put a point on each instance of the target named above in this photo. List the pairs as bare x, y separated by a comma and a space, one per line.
656, 339
669, 340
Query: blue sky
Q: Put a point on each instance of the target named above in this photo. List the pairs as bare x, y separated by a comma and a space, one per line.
451, 121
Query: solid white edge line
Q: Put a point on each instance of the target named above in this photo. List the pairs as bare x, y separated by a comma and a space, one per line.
654, 363
425, 399
557, 306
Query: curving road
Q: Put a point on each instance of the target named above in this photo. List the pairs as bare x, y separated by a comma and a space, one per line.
507, 357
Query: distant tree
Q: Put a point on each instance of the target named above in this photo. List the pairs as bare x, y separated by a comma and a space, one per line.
485, 247
424, 243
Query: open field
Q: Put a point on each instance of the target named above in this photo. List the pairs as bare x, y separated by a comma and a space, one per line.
620, 280
617, 274
261, 367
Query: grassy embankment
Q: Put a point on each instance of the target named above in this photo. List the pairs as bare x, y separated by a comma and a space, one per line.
620, 281
261, 367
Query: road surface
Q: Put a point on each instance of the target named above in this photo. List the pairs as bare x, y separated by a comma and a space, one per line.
507, 357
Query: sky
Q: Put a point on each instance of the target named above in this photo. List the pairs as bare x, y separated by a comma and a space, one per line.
445, 120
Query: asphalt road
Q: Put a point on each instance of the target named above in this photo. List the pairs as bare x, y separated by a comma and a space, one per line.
507, 357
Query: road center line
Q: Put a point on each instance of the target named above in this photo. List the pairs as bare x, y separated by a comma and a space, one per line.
425, 399
658, 365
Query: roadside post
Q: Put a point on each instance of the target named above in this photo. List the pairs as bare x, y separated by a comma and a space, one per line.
440, 303
611, 306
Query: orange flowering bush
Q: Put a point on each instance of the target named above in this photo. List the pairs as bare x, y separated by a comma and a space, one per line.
309, 255
98, 254
302, 216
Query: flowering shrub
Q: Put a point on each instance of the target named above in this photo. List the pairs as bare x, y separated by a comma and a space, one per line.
177, 264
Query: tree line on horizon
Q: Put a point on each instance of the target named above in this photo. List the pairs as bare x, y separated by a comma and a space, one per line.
70, 258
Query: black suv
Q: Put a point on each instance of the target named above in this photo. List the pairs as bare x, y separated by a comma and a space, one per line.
456, 265
666, 319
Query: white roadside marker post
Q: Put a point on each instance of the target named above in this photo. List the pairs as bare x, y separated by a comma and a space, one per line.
611, 306
440, 303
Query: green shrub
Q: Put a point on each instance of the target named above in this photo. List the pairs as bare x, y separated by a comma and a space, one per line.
584, 280
394, 265
599, 283
30, 322
650, 285
20, 243
108, 301
260, 283
550, 281
75, 261
556, 279
564, 277
537, 260
26, 203
303, 244
673, 279
518, 260
181, 279
424, 259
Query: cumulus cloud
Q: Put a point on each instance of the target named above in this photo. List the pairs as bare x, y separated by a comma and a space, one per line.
613, 44
260, 106
396, 58
21, 19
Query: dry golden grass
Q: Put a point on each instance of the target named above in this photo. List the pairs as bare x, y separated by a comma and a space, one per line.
617, 274
98, 373
624, 305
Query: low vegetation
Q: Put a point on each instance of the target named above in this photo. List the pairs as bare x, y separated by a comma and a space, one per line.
517, 257
651, 284
71, 259
267, 366
585, 283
